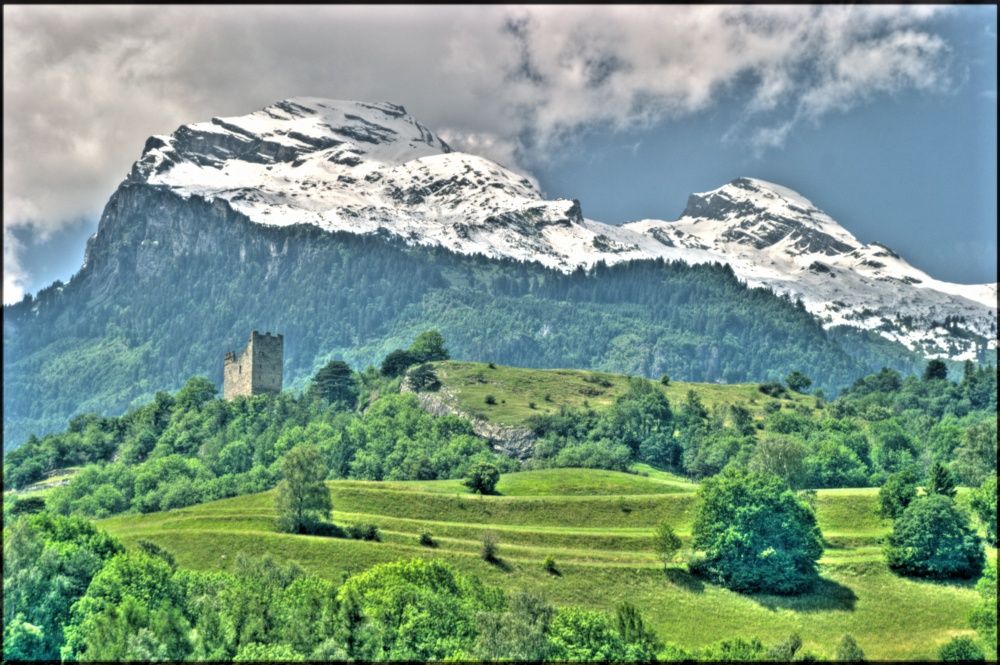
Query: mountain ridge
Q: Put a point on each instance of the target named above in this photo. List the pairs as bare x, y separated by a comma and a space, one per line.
177, 274
361, 168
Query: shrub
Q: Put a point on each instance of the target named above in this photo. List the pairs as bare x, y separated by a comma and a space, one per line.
598, 380
984, 616
736, 650
550, 565
773, 389
152, 549
531, 405
962, 649
490, 550
665, 380
492, 365
641, 643
785, 651
427, 540
756, 534
483, 478
31, 504
849, 651
579, 634
490, 399
933, 538
363, 531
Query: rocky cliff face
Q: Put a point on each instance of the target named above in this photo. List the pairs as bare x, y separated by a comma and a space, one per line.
517, 442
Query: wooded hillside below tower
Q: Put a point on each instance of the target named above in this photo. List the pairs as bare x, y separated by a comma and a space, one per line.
257, 371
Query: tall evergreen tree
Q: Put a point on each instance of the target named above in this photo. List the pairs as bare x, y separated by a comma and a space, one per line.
936, 369
940, 481
335, 382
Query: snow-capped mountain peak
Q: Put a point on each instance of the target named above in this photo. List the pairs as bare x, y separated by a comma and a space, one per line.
749, 210
292, 129
362, 168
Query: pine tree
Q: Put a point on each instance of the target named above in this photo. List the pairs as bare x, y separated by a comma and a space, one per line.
423, 378
335, 383
941, 481
936, 369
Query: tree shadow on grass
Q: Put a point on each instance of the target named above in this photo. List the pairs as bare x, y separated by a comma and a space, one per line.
684, 580
826, 595
497, 562
953, 582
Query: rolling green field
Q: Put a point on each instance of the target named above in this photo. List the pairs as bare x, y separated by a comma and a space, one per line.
597, 525
515, 389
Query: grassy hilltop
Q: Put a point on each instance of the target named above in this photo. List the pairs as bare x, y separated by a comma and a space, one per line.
597, 526
515, 389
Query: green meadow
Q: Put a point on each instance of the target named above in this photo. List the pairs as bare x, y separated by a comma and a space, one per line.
597, 525
521, 393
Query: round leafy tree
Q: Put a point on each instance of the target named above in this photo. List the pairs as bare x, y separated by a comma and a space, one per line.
429, 346
962, 650
483, 478
933, 538
423, 610
798, 381
756, 534
303, 501
396, 362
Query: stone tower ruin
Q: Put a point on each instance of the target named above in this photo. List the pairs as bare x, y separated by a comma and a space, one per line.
256, 371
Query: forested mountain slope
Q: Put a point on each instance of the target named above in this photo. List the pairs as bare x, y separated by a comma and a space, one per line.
170, 284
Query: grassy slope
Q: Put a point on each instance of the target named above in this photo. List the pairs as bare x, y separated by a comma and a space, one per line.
597, 526
515, 388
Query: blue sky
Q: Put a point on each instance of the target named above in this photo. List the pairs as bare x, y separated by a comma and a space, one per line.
916, 171
904, 154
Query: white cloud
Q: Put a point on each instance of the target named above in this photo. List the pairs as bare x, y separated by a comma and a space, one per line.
84, 86
13, 274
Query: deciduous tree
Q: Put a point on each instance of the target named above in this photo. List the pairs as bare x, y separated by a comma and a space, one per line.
756, 534
933, 538
303, 500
